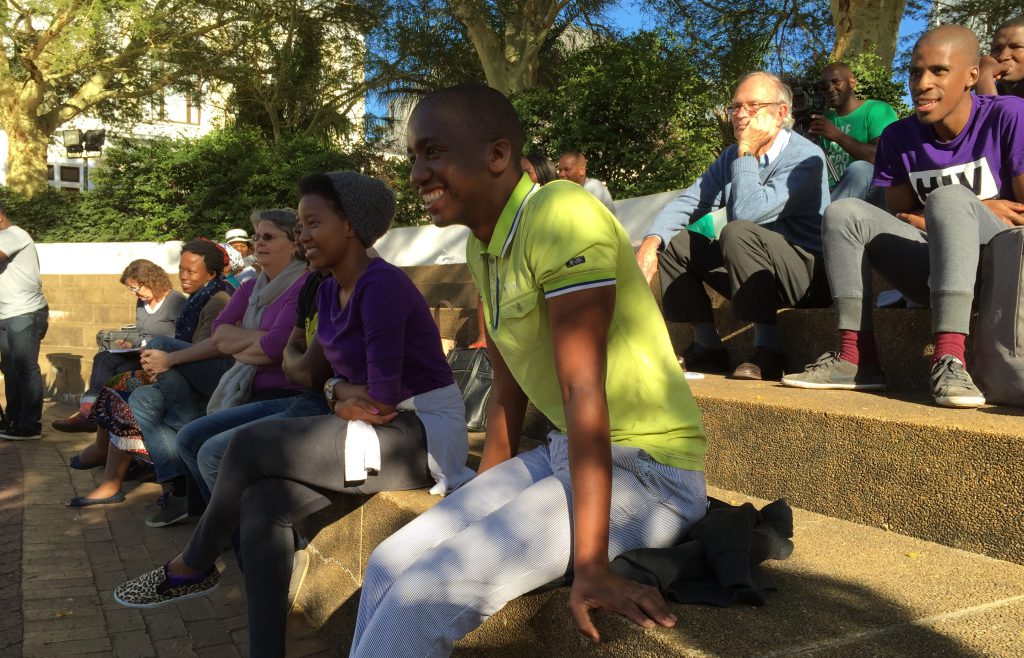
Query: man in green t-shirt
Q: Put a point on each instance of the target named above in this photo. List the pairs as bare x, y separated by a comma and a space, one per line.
850, 131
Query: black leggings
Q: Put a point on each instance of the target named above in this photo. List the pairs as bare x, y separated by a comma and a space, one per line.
277, 473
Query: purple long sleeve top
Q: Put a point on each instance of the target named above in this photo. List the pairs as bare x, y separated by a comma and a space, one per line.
384, 338
277, 320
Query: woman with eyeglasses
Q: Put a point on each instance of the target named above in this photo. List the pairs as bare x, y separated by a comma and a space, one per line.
252, 331
156, 307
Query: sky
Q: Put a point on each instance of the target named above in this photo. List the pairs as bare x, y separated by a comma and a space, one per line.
627, 15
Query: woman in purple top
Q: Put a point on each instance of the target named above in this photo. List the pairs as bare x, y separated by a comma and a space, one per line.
254, 328
398, 419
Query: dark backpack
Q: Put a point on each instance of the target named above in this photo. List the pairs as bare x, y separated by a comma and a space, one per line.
998, 367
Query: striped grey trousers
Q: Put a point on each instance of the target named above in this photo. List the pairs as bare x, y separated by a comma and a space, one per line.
505, 533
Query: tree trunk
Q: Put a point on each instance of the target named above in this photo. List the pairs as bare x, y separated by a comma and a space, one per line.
26, 155
867, 25
510, 56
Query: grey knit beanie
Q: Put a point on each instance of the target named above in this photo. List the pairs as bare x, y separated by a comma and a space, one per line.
367, 203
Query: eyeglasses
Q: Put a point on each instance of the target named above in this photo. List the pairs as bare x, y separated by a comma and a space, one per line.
134, 289
751, 108
264, 237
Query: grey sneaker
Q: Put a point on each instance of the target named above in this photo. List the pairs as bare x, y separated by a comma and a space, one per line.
952, 386
829, 371
172, 510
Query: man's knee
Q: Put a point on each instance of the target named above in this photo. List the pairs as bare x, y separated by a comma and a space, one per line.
842, 216
859, 172
860, 168
739, 234
948, 209
677, 250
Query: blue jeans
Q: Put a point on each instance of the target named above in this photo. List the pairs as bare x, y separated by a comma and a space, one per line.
19, 361
856, 184
201, 443
149, 407
187, 387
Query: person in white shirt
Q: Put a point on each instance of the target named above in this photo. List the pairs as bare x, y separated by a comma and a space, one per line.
24, 319
573, 166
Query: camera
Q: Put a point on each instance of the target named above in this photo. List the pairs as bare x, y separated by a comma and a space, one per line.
809, 100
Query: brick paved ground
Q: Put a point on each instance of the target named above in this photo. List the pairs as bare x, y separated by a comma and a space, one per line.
60, 566
10, 550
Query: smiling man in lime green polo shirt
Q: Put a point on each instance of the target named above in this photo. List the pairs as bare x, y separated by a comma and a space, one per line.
568, 316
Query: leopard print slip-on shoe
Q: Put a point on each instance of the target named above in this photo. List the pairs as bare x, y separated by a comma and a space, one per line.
155, 588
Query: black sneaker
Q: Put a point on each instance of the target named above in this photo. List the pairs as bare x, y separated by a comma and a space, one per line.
702, 359
17, 434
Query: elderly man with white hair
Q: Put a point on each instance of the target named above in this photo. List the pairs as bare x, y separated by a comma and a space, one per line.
761, 248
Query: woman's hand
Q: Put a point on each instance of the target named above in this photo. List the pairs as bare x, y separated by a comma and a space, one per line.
359, 409
155, 362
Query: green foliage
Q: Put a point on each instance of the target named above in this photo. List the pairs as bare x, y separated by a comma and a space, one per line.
42, 213
300, 68
163, 189
875, 80
638, 107
733, 38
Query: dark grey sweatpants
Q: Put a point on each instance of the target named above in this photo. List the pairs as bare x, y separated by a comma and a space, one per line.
938, 267
277, 474
755, 267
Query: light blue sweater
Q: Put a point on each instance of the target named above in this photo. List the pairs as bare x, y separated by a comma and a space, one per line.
788, 196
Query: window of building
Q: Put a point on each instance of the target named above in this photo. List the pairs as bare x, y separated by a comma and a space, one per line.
70, 174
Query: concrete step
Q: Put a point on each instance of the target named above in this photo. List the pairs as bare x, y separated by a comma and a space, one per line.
904, 338
953, 476
848, 590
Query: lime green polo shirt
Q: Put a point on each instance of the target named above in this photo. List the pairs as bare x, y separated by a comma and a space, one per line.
553, 241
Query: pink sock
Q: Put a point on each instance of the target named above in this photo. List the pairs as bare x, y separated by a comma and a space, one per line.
947, 342
858, 347
84, 409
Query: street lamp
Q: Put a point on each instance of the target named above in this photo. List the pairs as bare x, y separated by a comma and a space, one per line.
84, 145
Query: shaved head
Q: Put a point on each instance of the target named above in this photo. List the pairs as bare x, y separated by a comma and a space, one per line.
573, 166
959, 38
842, 68
484, 113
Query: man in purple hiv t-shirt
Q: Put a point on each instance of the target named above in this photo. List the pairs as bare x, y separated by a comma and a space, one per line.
954, 178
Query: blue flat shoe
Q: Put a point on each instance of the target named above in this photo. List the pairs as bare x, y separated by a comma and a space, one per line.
77, 464
83, 501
